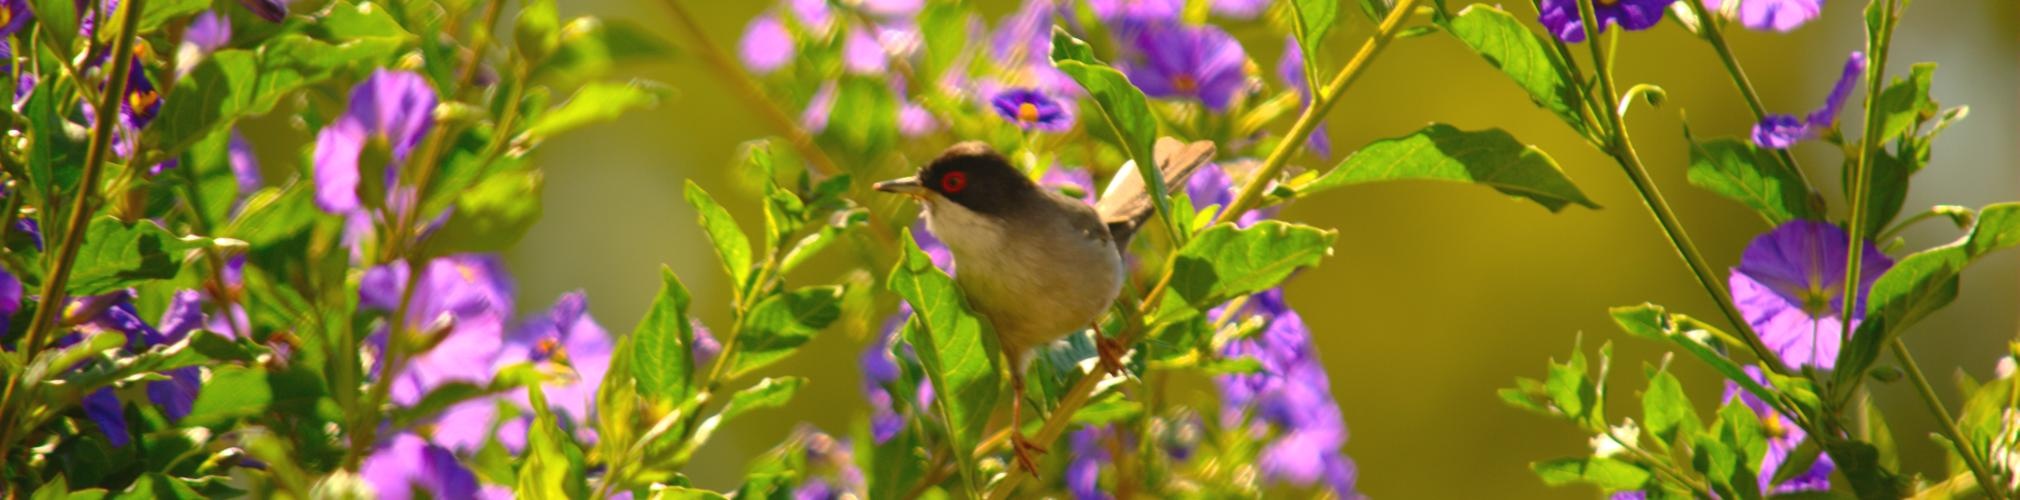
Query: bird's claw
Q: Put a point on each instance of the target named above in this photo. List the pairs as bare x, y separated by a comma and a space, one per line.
1027, 453
1110, 352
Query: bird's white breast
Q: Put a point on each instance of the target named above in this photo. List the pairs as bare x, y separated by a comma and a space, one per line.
1036, 284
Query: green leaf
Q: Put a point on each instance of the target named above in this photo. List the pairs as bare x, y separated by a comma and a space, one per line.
1225, 262
594, 103
1886, 190
731, 246
235, 391
54, 153
1524, 56
234, 83
155, 486
590, 48
116, 256
1645, 321
956, 347
1666, 408
767, 393
349, 21
1922, 283
1742, 444
553, 467
944, 31
872, 113
1606, 473
1124, 108
59, 19
1905, 103
1570, 388
492, 215
1315, 19
685, 493
1741, 172
781, 323
659, 352
160, 12
538, 29
1441, 152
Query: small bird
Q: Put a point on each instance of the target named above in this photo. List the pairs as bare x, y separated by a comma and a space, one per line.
1037, 264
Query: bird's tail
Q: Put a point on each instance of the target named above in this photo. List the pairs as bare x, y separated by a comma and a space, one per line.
1126, 204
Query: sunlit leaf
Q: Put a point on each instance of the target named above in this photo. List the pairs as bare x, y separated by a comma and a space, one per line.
1440, 152
957, 348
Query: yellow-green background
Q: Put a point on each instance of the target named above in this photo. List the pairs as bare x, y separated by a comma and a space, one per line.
1437, 294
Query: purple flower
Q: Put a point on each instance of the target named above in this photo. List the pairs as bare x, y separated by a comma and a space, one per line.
114, 312
245, 166
409, 464
1783, 436
1031, 109
1198, 62
1561, 16
462, 302
393, 108
893, 8
1136, 11
1240, 9
142, 102
815, 116
880, 373
830, 472
813, 14
1290, 398
915, 120
1782, 131
208, 32
862, 54
272, 11
705, 346
1083, 472
1211, 186
13, 15
1078, 178
1763, 15
1291, 69
1790, 286
766, 44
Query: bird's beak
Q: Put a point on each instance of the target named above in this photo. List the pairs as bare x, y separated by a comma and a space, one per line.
905, 186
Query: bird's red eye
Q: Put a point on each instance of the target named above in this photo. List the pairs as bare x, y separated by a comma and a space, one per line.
954, 182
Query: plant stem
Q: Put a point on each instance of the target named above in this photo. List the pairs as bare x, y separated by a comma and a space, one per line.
80, 213
1322, 102
1621, 148
750, 92
1949, 427
1716, 38
1861, 171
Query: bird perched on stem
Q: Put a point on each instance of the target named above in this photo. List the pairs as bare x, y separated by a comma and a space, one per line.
1037, 264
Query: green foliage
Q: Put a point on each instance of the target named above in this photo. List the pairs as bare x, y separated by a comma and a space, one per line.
1524, 56
659, 353
594, 103
1315, 18
1605, 473
767, 393
781, 323
1742, 172
1441, 152
1126, 111
1225, 261
1921, 284
119, 255
492, 215
731, 246
957, 348
553, 467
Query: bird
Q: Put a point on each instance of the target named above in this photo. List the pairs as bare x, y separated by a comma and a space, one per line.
1037, 264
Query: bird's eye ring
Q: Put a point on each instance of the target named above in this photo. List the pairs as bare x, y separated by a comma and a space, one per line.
954, 182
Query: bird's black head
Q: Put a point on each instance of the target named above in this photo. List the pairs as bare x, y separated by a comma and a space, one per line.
976, 177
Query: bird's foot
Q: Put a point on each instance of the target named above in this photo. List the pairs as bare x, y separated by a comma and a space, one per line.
1027, 452
1110, 352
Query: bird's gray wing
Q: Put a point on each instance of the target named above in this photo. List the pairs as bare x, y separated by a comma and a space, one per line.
1126, 204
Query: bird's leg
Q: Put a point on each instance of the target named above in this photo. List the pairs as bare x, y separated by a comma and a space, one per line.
1026, 451
1110, 351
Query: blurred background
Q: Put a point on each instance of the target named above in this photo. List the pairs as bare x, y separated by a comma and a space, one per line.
1437, 294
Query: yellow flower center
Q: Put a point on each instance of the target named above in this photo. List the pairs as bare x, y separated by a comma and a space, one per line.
1027, 113
1608, 3
140, 100
1185, 83
468, 273
1774, 427
552, 350
6, 15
